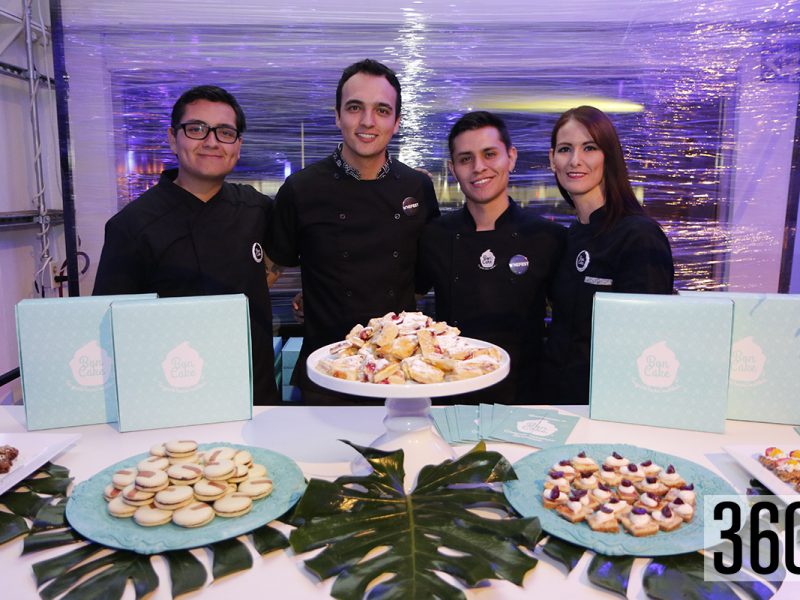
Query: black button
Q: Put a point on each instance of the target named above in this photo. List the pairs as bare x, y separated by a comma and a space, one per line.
455, 278
348, 293
345, 254
396, 216
458, 236
395, 254
342, 216
337, 176
455, 322
391, 292
514, 235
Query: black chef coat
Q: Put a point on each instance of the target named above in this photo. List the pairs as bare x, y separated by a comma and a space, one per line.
170, 242
356, 242
493, 285
634, 257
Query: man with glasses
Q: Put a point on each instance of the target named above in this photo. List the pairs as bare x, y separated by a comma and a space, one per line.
194, 234
352, 220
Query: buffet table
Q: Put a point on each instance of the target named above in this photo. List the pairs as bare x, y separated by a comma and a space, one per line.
309, 435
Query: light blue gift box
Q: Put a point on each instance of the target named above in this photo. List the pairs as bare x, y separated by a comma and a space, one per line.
66, 360
765, 356
661, 360
182, 361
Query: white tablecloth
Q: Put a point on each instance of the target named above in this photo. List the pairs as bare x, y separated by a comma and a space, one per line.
310, 435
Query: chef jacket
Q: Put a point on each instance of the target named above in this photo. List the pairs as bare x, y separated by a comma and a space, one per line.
493, 285
356, 242
170, 242
634, 256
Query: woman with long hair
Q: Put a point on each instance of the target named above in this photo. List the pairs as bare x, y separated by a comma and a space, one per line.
612, 246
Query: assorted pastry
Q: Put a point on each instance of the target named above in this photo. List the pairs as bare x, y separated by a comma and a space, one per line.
179, 484
8, 455
785, 465
619, 494
406, 348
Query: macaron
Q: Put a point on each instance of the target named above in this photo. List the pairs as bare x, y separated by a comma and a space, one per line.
151, 481
174, 497
117, 507
124, 477
240, 474
243, 457
184, 474
177, 448
183, 460
110, 492
219, 470
136, 497
233, 505
219, 453
149, 516
153, 463
256, 470
256, 488
208, 491
196, 514
158, 450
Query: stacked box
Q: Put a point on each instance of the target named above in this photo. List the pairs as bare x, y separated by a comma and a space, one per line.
765, 356
182, 361
66, 360
277, 344
290, 353
661, 360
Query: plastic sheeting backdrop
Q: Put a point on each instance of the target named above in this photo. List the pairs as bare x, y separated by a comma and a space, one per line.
675, 84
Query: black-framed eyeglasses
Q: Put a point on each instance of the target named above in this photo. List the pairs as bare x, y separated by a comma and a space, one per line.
199, 131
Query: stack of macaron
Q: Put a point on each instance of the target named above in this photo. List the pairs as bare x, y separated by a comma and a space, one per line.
643, 497
179, 484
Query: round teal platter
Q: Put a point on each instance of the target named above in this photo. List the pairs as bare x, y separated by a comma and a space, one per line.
87, 513
525, 495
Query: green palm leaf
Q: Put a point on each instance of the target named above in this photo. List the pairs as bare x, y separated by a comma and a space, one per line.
357, 516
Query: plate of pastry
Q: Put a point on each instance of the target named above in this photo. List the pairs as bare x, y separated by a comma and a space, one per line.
407, 355
616, 499
182, 494
22, 453
777, 468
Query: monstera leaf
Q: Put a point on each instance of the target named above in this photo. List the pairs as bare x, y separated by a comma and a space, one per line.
92, 571
368, 527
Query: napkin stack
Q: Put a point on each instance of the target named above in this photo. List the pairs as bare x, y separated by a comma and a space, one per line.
537, 427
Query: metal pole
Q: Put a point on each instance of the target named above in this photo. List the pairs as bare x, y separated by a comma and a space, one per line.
41, 206
62, 115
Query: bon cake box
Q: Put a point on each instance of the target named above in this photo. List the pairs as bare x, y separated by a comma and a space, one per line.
765, 356
66, 360
182, 361
661, 360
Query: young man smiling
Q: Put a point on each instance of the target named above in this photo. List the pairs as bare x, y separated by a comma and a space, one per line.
194, 234
352, 220
490, 263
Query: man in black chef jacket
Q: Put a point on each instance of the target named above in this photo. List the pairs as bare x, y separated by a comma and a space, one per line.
491, 262
193, 234
352, 221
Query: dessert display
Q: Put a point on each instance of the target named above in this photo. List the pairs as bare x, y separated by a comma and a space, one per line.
784, 465
178, 484
409, 347
617, 494
7, 456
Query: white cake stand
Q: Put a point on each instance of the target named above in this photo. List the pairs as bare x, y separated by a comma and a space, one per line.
408, 421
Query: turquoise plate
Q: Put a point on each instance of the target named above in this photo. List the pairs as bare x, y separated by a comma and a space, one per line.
87, 513
525, 495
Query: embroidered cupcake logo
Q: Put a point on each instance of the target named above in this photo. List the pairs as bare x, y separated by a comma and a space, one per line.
658, 366
747, 361
90, 365
183, 367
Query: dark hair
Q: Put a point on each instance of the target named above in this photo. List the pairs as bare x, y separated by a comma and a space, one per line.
370, 67
212, 93
620, 199
478, 120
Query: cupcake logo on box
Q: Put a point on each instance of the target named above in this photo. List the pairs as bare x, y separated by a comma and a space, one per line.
183, 367
747, 361
658, 366
90, 365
